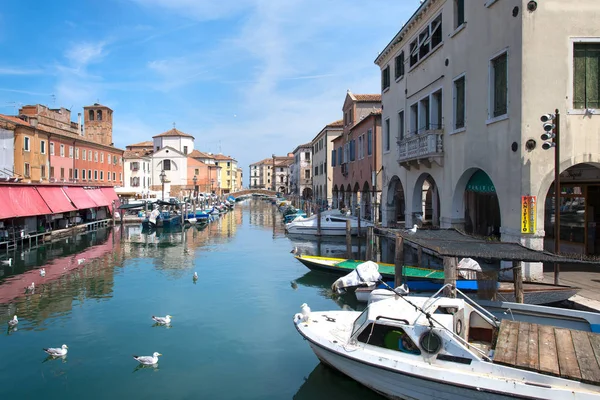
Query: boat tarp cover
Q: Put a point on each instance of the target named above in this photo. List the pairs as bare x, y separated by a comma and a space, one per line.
364, 274
408, 271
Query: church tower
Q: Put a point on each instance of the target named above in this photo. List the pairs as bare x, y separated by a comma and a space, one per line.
98, 123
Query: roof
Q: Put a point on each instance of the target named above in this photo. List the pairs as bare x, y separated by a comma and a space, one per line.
199, 154
367, 97
15, 120
173, 132
339, 122
142, 144
97, 105
308, 145
374, 113
134, 154
222, 157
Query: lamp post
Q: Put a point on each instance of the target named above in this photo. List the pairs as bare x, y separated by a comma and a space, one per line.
195, 179
162, 181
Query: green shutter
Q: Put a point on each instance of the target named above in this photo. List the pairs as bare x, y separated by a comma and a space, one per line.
579, 76
500, 86
592, 94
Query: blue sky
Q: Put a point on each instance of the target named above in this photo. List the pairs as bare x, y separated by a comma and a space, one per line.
247, 77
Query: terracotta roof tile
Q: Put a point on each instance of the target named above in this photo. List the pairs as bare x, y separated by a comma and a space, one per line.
15, 120
134, 154
148, 143
222, 157
367, 97
339, 122
173, 132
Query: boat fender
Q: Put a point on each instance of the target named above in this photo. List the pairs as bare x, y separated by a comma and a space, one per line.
459, 327
430, 342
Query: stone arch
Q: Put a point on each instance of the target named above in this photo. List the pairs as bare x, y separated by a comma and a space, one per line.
395, 202
307, 194
475, 204
366, 206
335, 197
342, 198
426, 201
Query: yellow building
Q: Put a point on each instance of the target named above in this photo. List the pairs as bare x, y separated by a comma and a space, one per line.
229, 173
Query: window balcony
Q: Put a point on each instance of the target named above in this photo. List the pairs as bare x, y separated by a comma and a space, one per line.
421, 149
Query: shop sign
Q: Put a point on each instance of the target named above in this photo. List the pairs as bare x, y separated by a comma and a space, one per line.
528, 211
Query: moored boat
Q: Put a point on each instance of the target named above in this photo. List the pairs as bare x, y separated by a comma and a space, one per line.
333, 223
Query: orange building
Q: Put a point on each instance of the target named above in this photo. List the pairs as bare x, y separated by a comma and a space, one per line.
49, 147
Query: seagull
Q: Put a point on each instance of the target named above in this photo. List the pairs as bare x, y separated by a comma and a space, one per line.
80, 261
413, 230
13, 322
305, 310
7, 262
30, 288
162, 320
147, 360
57, 352
195, 276
294, 250
43, 272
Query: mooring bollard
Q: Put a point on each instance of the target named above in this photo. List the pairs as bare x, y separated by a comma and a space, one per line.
399, 261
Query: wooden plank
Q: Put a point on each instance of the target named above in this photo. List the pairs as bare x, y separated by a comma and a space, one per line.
548, 355
567, 360
506, 345
595, 343
523, 345
533, 352
398, 261
590, 372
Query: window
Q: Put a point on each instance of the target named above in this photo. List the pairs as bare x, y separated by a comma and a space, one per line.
99, 115
83, 174
157, 148
91, 115
352, 150
386, 136
167, 165
95, 156
499, 89
385, 78
399, 70
62, 173
70, 151
108, 176
333, 157
89, 155
436, 110
51, 148
307, 174
43, 168
185, 149
586, 78
459, 13
101, 157
95, 175
401, 125
340, 155
76, 153
369, 142
228, 173
70, 174
114, 160
76, 174
307, 156
42, 147
360, 147
196, 171
90, 174
228, 163
428, 39
62, 150
316, 170
26, 143
84, 155
114, 176
52, 172
27, 171
459, 103
414, 119
423, 115
102, 175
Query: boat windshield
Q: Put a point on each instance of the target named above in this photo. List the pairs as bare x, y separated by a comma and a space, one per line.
362, 318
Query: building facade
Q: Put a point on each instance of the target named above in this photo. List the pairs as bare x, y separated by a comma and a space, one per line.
303, 174
462, 107
229, 178
322, 170
138, 174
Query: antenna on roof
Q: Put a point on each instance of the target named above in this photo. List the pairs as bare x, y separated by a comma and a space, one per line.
174, 125
53, 98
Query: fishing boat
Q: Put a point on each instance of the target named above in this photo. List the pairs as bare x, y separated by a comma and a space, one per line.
333, 223
427, 281
451, 348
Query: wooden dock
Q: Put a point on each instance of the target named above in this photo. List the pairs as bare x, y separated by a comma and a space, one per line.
561, 352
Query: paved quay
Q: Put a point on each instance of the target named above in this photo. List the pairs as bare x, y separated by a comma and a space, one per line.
586, 277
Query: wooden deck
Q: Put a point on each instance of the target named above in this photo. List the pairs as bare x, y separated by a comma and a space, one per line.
554, 351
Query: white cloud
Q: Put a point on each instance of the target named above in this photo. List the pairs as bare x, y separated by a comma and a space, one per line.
19, 71
200, 9
84, 53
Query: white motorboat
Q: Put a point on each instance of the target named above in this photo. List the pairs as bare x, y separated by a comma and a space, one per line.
333, 223
445, 348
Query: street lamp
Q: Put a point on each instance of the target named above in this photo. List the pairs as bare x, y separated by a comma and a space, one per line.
195, 179
162, 180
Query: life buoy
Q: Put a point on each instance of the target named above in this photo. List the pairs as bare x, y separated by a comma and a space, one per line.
430, 342
459, 326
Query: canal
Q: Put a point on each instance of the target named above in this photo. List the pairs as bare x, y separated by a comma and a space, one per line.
231, 336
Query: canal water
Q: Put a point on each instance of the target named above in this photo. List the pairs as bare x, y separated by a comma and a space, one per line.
231, 336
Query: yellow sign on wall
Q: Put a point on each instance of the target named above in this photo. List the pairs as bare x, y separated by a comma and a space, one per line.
528, 211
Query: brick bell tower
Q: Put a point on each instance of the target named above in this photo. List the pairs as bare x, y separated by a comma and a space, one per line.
97, 121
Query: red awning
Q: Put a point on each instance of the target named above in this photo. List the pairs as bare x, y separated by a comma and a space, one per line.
98, 197
80, 198
110, 194
56, 199
19, 201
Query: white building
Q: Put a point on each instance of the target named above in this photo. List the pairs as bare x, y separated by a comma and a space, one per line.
322, 147
303, 171
137, 174
7, 153
463, 89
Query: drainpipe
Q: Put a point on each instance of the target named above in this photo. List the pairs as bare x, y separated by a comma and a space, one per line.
375, 210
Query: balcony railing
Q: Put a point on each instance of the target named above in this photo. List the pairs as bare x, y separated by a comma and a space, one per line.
422, 148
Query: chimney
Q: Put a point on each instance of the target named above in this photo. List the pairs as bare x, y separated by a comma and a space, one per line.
79, 124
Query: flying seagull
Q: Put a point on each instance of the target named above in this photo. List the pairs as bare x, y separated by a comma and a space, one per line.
148, 360
57, 352
162, 320
13, 322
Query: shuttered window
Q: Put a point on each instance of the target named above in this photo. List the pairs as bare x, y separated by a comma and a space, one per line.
586, 74
500, 88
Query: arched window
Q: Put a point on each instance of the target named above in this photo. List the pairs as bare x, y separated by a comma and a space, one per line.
91, 115
99, 115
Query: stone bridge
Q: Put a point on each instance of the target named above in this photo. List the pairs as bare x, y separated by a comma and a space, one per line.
252, 191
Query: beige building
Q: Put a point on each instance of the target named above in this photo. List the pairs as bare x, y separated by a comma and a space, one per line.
302, 174
463, 90
322, 171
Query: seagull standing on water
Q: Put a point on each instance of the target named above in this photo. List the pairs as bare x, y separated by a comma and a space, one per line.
30, 288
148, 360
162, 320
195, 276
13, 322
57, 351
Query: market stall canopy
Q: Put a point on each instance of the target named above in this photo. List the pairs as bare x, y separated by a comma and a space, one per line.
80, 198
56, 199
21, 201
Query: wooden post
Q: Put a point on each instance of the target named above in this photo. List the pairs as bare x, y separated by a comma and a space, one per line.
419, 256
182, 209
518, 279
450, 264
399, 261
113, 212
358, 233
319, 222
369, 250
349, 238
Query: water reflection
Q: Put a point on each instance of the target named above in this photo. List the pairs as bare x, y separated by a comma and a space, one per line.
327, 383
323, 281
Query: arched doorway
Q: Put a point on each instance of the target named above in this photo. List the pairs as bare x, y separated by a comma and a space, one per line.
342, 198
426, 202
307, 194
335, 198
579, 211
366, 206
396, 203
481, 209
